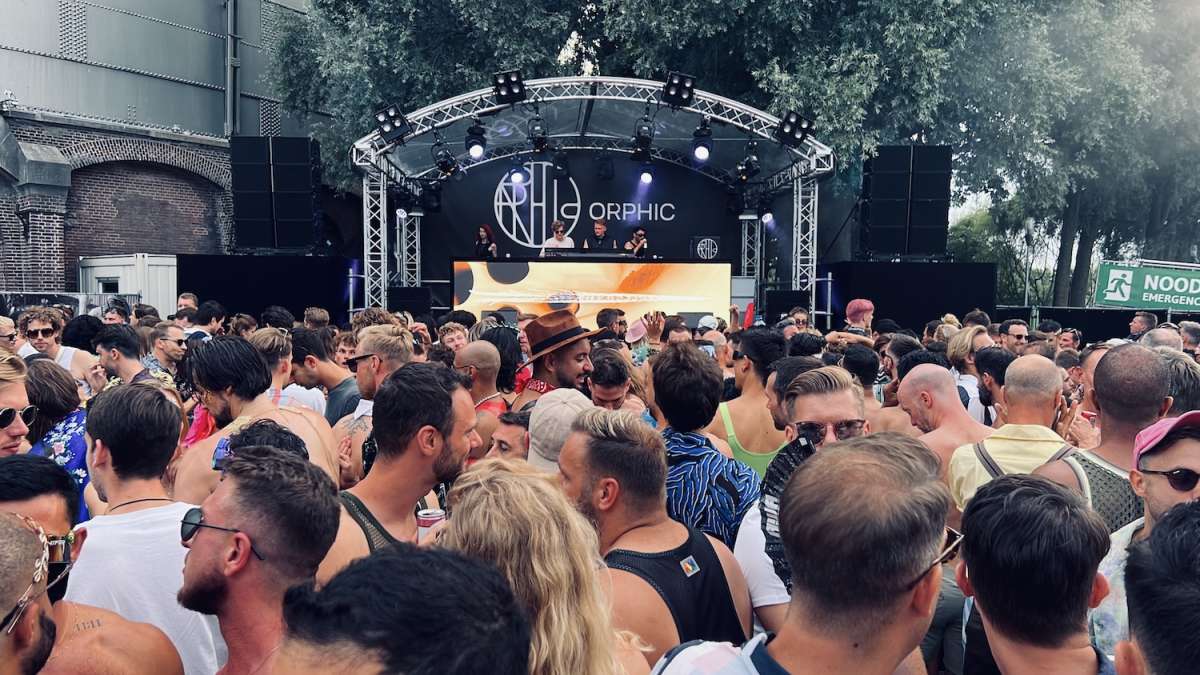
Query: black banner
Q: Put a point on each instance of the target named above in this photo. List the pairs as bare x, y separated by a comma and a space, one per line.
677, 206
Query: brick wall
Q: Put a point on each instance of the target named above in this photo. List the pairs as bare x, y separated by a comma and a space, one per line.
130, 193
137, 207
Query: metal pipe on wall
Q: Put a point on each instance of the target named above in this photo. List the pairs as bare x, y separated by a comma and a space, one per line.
232, 63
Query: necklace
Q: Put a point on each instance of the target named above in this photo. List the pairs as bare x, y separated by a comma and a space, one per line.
485, 399
135, 501
266, 658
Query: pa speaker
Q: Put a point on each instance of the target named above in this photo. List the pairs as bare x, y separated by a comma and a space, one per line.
782, 302
250, 177
414, 300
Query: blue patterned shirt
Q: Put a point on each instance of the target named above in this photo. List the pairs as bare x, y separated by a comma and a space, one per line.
706, 489
66, 446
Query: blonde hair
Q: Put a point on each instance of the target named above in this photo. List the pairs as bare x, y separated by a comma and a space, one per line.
389, 343
952, 320
12, 369
944, 332
821, 381
962, 345
275, 345
451, 327
518, 518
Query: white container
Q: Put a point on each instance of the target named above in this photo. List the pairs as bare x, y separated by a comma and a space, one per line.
149, 275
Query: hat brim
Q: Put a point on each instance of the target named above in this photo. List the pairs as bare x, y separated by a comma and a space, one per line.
565, 343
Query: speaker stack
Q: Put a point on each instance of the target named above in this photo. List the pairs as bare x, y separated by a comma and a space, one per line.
275, 182
906, 200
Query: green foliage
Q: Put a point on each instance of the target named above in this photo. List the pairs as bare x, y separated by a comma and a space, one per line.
979, 237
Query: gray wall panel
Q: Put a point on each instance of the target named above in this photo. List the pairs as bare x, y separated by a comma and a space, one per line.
155, 47
29, 24
206, 15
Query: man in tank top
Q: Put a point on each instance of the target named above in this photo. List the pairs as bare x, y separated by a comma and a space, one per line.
42, 328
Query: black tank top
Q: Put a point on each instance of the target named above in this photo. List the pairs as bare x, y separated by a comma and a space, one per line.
691, 581
377, 536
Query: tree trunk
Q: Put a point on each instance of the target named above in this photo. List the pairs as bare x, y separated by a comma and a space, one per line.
1160, 240
1066, 243
1082, 277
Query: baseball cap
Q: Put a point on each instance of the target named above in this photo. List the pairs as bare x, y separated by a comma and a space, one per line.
1148, 438
550, 424
707, 323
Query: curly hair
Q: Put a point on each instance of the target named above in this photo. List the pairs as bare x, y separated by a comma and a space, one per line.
517, 518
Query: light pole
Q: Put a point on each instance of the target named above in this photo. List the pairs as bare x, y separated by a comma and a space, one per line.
1028, 255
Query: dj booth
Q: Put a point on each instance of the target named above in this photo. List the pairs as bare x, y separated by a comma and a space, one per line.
588, 281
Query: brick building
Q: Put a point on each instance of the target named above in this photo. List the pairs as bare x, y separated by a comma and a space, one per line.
113, 126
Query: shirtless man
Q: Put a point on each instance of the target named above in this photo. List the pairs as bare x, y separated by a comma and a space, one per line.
614, 468
232, 380
379, 351
42, 328
412, 408
87, 639
745, 422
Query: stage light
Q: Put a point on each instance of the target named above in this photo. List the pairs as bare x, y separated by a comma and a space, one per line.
539, 137
444, 159
702, 141
476, 141
605, 169
765, 214
678, 90
431, 198
647, 175
643, 133
562, 166
391, 124
793, 129
517, 174
509, 87
749, 167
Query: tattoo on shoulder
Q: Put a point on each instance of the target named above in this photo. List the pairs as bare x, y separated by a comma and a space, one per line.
361, 424
85, 625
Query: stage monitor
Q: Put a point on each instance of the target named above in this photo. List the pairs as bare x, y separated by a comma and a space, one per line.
539, 287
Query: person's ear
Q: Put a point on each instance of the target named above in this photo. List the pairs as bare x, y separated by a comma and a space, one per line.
928, 590
1166, 406
926, 400
1100, 590
237, 554
24, 632
961, 578
789, 432
429, 441
606, 493
1129, 659
1137, 481
100, 454
310, 361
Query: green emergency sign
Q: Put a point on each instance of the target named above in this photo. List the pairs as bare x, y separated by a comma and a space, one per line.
1145, 287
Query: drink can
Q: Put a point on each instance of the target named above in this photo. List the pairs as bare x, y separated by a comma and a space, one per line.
427, 518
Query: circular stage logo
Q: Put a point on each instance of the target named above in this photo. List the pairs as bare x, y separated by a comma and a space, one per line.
525, 210
706, 249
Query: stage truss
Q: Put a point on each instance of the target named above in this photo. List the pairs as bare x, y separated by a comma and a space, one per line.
810, 161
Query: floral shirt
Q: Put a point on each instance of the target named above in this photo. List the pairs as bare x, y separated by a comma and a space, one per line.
66, 446
1109, 622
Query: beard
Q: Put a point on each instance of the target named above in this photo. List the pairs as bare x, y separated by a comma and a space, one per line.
566, 379
445, 468
223, 417
205, 595
985, 397
40, 653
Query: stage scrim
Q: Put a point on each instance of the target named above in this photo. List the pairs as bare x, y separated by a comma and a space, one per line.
586, 287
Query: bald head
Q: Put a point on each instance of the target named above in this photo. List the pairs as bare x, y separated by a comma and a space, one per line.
931, 378
1162, 337
714, 336
19, 553
481, 354
1032, 380
928, 394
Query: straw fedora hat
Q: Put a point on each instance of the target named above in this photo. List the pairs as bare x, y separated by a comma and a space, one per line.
553, 331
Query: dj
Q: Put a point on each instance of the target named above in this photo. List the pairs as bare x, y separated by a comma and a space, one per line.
638, 245
599, 238
560, 238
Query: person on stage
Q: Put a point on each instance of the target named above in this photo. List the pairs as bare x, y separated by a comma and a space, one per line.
485, 243
599, 239
638, 246
560, 238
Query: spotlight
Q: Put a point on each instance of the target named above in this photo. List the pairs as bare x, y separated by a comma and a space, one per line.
508, 87
392, 124
765, 214
431, 198
476, 142
562, 166
679, 89
793, 129
647, 175
517, 174
539, 137
749, 167
702, 141
444, 159
643, 133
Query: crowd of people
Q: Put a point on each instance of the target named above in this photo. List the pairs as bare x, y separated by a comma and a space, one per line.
525, 494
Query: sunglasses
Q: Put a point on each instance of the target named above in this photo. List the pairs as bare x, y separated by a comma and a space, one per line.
1018, 338
738, 356
178, 341
9, 415
1180, 480
40, 332
11, 337
814, 432
949, 552
193, 520
352, 362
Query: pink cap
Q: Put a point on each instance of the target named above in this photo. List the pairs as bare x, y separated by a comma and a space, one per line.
1149, 437
637, 331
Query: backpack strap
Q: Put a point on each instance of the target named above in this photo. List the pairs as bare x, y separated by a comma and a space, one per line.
1065, 450
986, 460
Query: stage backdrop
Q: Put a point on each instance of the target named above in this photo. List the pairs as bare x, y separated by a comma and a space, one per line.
587, 287
680, 204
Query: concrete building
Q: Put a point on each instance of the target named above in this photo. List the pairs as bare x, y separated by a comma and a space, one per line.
114, 116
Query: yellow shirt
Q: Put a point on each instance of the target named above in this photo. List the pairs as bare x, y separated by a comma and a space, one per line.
1017, 448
